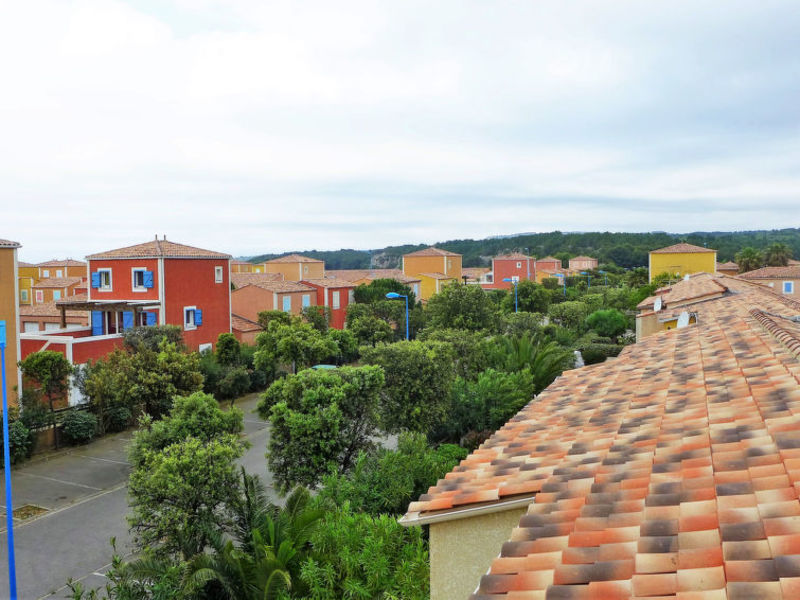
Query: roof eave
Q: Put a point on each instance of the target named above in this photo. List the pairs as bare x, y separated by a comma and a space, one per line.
420, 518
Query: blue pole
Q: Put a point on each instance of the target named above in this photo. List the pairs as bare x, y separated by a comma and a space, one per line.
515, 297
406, 297
12, 571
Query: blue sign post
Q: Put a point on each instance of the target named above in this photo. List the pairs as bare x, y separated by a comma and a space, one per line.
12, 571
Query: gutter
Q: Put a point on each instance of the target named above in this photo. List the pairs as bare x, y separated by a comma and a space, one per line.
412, 519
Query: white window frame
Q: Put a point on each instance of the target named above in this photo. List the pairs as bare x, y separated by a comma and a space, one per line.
336, 300
56, 295
59, 273
519, 265
788, 287
39, 295
23, 295
189, 326
306, 300
218, 275
350, 296
134, 287
283, 303
110, 286
207, 347
45, 273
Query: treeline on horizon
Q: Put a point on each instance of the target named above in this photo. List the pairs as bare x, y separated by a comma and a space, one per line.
623, 249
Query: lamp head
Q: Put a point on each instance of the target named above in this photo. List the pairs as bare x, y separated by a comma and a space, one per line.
392, 295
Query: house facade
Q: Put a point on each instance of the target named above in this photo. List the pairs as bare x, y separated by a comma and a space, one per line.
728, 268
785, 280
9, 314
583, 263
295, 267
549, 263
336, 294
682, 259
434, 267
27, 277
243, 266
62, 268
367, 276
287, 296
515, 266
55, 288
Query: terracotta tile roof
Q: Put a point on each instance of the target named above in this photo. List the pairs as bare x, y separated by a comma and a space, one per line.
279, 286
682, 248
431, 251
727, 265
475, 272
670, 470
787, 272
49, 309
159, 249
371, 274
512, 256
68, 262
549, 259
794, 262
244, 325
9, 244
242, 279
439, 276
242, 262
58, 282
293, 258
330, 282
21, 263
583, 258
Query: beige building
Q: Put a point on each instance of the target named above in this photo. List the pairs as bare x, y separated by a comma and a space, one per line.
9, 312
295, 267
785, 280
582, 263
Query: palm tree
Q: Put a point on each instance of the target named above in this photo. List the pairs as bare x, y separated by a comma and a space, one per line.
545, 359
777, 255
749, 259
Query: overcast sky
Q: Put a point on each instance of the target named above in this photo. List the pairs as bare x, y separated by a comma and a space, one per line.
259, 126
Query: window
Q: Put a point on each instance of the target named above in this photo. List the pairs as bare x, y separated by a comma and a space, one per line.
45, 273
287, 304
335, 303
217, 274
305, 268
204, 347
137, 283
350, 297
39, 295
788, 287
306, 300
416, 289
30, 326
56, 294
101, 280
519, 265
189, 314
23, 295
59, 273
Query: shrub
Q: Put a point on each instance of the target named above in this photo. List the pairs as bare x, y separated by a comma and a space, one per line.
150, 338
118, 418
597, 353
608, 323
235, 383
79, 426
570, 314
474, 351
387, 480
20, 442
228, 349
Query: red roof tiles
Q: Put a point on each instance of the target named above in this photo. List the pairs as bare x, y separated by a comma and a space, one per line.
682, 248
159, 249
58, 282
432, 252
371, 274
242, 279
9, 244
294, 258
68, 262
787, 272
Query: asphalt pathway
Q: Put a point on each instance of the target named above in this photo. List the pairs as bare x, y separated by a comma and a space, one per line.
84, 496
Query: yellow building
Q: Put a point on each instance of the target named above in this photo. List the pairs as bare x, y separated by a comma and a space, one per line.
62, 268
9, 312
296, 268
682, 259
27, 277
243, 266
434, 267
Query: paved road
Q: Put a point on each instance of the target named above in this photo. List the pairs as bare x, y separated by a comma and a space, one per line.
86, 496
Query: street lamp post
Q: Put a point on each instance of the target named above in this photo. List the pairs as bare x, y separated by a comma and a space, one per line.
515, 281
394, 295
605, 277
588, 278
12, 571
564, 281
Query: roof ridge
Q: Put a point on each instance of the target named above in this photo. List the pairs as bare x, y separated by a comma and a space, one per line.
784, 336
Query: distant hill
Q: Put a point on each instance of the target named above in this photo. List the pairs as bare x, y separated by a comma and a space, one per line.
624, 249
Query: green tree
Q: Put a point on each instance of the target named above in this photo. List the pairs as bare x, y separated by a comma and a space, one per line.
150, 337
418, 380
320, 420
370, 330
346, 346
749, 259
267, 316
51, 371
385, 481
545, 359
297, 344
377, 289
177, 493
473, 351
571, 314
531, 297
608, 323
228, 350
319, 317
777, 255
459, 306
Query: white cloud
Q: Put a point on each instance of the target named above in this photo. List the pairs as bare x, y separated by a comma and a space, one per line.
250, 126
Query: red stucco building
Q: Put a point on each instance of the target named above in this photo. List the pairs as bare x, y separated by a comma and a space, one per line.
509, 266
336, 294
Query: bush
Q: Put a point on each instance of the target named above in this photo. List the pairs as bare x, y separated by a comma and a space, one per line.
20, 442
597, 353
474, 351
79, 426
34, 414
608, 323
386, 481
235, 383
570, 314
118, 418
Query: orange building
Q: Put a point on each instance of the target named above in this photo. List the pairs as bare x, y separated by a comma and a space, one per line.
56, 288
288, 296
9, 312
512, 266
243, 266
583, 263
62, 268
435, 268
27, 277
367, 276
728, 268
549, 263
295, 267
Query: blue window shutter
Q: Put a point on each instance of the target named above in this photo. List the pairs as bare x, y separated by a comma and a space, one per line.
148, 279
198, 317
97, 322
127, 319
95, 280
151, 318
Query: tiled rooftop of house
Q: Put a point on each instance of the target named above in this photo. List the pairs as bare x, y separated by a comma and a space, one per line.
242, 324
432, 252
512, 256
682, 248
242, 279
372, 274
549, 259
9, 244
582, 258
787, 272
730, 265
440, 276
331, 282
50, 309
294, 258
280, 286
475, 272
57, 282
159, 249
67, 262
696, 287
671, 471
